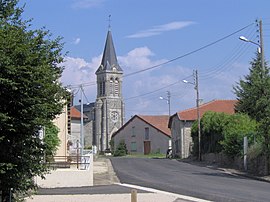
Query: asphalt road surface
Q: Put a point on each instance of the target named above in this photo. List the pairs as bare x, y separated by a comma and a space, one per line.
191, 180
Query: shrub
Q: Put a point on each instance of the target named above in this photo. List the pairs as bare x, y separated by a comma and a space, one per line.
121, 149
255, 150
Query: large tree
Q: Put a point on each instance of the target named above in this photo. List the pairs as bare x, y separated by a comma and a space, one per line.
30, 96
253, 95
223, 132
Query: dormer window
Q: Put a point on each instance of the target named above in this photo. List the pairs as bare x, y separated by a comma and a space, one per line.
113, 67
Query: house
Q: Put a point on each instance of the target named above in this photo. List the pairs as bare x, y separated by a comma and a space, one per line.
144, 134
88, 121
61, 123
181, 122
75, 135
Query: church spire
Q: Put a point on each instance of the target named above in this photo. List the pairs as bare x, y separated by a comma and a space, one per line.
109, 60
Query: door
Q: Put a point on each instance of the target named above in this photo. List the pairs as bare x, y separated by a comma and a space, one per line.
147, 147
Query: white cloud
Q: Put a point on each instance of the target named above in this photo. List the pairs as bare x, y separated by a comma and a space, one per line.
84, 4
138, 59
216, 86
78, 71
76, 41
159, 29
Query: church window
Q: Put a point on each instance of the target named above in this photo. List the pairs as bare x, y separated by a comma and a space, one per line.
103, 88
100, 88
116, 87
111, 86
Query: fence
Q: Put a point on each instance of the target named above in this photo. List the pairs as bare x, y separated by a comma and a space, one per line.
80, 162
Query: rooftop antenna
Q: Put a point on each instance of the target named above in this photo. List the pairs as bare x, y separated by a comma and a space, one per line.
109, 27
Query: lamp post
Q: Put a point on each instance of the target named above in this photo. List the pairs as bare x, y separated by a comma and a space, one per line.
260, 45
168, 99
196, 84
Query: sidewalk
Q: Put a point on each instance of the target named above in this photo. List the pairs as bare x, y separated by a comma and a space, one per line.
105, 178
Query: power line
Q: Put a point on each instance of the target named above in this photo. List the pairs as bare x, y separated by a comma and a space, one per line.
228, 59
84, 94
187, 54
159, 89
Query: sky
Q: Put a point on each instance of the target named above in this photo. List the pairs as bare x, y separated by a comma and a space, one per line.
167, 39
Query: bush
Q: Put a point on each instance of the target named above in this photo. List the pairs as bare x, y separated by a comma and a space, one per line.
121, 149
223, 132
255, 150
240, 125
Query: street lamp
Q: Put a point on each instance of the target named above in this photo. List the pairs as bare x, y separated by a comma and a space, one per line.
260, 45
196, 84
247, 40
168, 99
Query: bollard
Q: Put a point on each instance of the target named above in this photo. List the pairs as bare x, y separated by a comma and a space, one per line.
133, 195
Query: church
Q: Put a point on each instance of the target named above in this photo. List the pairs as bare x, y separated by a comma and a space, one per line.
106, 114
109, 105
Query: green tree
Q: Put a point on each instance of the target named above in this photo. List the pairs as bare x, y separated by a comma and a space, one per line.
253, 95
30, 97
121, 149
237, 127
223, 132
212, 126
51, 140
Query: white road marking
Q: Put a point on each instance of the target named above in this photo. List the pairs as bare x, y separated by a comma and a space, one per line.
163, 192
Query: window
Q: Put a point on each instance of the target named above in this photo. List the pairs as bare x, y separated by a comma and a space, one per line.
116, 87
111, 86
103, 88
133, 132
146, 133
133, 147
100, 88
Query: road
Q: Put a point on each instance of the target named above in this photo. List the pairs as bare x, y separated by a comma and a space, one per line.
191, 180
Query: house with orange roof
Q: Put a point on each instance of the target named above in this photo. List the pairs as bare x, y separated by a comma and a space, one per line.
75, 134
181, 122
144, 134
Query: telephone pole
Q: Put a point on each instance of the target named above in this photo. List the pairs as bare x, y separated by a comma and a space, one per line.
198, 113
81, 128
196, 87
261, 45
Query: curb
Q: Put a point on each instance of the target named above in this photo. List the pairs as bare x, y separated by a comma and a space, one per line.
112, 174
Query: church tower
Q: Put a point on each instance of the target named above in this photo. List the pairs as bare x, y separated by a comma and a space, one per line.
109, 106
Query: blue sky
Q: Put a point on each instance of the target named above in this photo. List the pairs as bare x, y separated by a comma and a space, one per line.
151, 32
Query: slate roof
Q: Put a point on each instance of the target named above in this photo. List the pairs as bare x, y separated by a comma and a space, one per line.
226, 106
76, 114
109, 59
158, 122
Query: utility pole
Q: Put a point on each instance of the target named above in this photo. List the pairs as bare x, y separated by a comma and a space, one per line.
81, 128
198, 113
169, 101
261, 45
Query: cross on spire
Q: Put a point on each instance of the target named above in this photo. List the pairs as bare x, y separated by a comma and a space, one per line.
109, 22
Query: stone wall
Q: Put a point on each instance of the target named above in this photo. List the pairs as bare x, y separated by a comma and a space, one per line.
255, 166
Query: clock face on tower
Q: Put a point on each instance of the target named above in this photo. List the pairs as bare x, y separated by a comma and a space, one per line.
114, 116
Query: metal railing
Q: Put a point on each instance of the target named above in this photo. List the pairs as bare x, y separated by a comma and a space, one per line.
81, 162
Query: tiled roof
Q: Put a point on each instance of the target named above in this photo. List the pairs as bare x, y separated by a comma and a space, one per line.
226, 106
76, 114
159, 122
